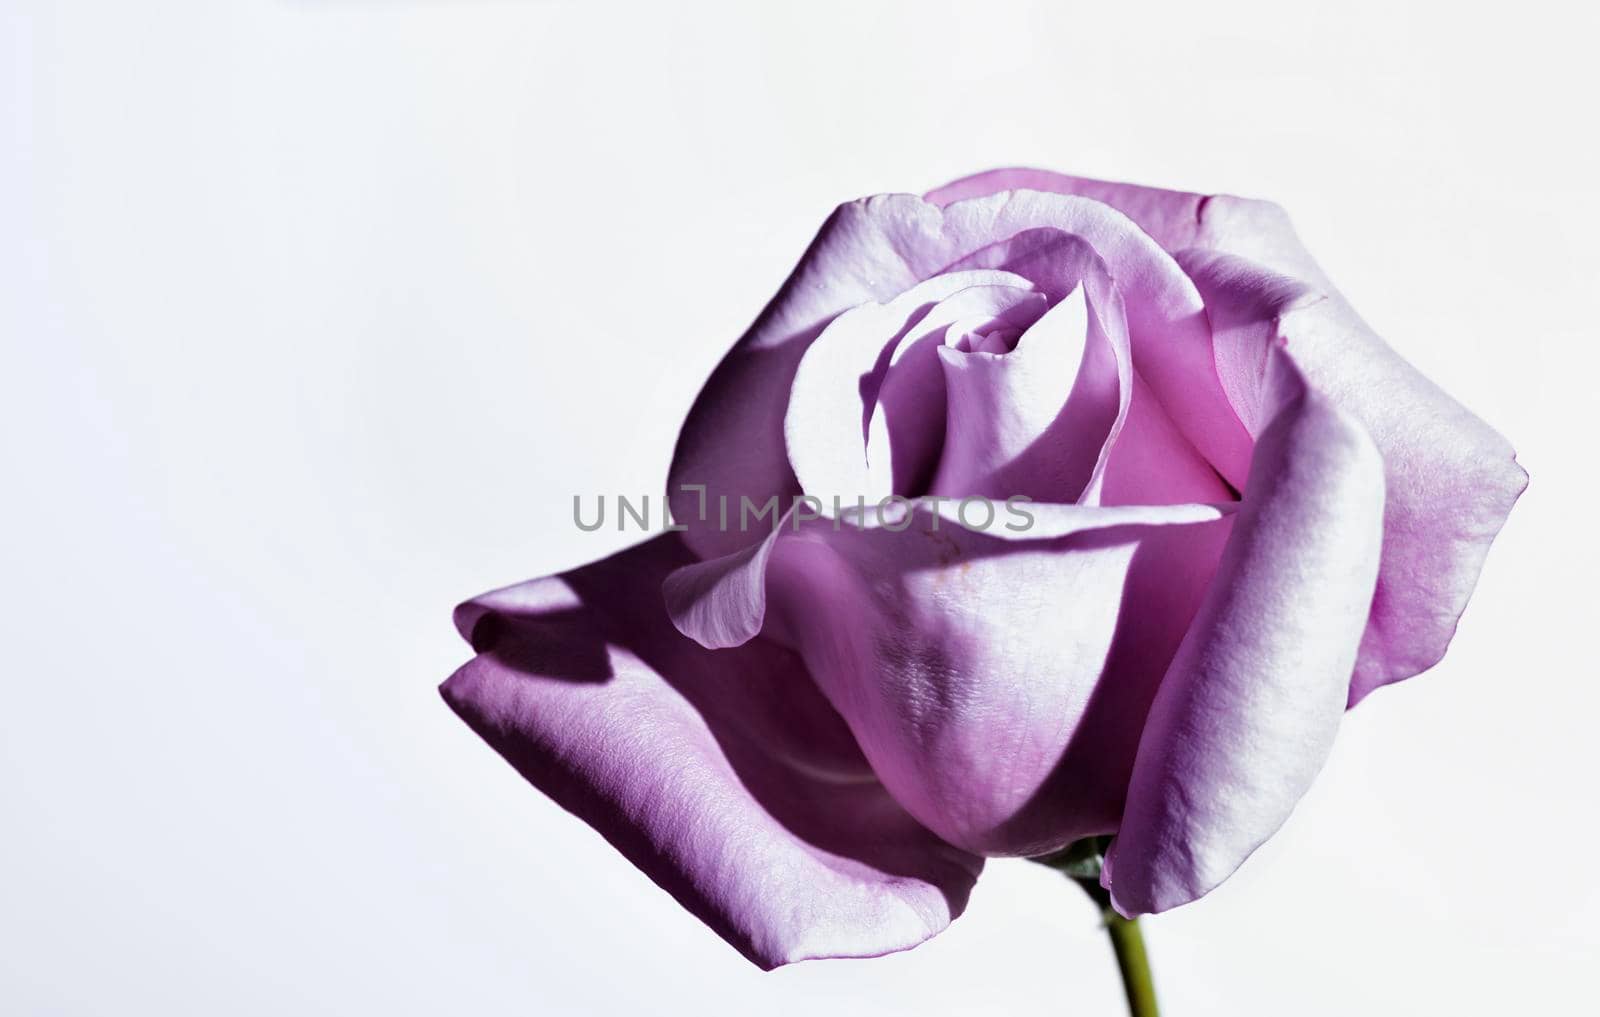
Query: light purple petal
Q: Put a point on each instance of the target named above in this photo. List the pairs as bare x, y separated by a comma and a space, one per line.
996, 681
1248, 711
732, 442
1028, 421
1171, 217
725, 777
836, 387
874, 249
1167, 327
1452, 479
1452, 482
1246, 304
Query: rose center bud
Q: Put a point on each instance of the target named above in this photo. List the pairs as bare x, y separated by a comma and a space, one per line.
1018, 418
998, 341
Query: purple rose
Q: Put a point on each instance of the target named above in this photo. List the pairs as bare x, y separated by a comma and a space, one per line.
1148, 508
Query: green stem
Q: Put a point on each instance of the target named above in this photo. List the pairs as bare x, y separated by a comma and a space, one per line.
1081, 862
1128, 943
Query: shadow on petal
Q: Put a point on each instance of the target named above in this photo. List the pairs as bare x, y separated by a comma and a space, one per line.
723, 775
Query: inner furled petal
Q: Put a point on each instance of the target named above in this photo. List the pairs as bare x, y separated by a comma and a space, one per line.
1167, 326
1029, 421
872, 249
1145, 458
906, 428
1151, 462
998, 341
1054, 259
836, 385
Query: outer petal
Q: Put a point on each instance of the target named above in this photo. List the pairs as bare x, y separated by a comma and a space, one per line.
997, 681
1452, 480
724, 776
732, 442
1248, 710
1171, 217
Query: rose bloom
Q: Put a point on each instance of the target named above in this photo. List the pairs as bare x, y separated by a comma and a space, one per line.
1248, 514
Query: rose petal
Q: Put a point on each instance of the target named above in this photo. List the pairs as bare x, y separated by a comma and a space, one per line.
732, 442
836, 387
871, 250
724, 776
1011, 427
1170, 217
1167, 328
1247, 712
1246, 304
1451, 479
997, 681
906, 428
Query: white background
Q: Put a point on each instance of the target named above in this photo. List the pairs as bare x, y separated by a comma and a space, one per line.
316, 315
